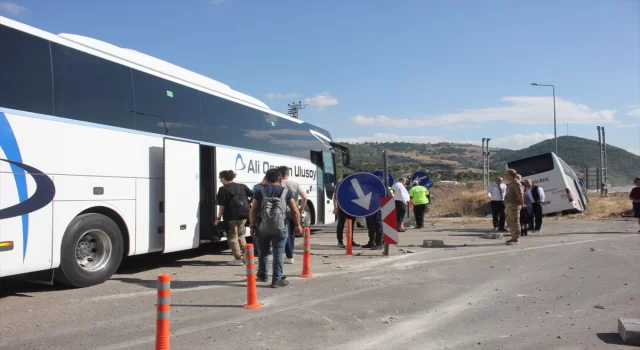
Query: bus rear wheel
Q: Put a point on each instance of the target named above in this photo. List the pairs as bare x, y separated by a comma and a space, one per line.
91, 252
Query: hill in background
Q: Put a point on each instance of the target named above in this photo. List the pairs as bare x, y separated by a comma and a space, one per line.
463, 162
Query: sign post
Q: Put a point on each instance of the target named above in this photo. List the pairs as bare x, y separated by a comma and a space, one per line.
388, 181
359, 194
389, 221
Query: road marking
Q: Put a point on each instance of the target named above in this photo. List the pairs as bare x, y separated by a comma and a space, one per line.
452, 308
501, 252
290, 273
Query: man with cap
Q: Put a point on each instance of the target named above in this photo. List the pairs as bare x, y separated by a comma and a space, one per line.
514, 201
634, 196
420, 199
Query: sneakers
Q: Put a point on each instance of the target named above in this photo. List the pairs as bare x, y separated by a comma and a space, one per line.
369, 245
377, 247
280, 283
512, 242
288, 260
236, 262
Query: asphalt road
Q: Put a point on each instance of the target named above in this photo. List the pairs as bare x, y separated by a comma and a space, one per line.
564, 289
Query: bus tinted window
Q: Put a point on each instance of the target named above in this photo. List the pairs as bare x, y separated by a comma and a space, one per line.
91, 89
25, 72
161, 102
234, 124
533, 165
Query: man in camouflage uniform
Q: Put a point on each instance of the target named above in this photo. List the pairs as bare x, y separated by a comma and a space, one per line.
513, 200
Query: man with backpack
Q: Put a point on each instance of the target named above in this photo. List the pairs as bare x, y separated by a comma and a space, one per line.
297, 191
233, 207
268, 216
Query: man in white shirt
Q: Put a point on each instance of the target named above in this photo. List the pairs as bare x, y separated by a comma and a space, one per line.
496, 192
401, 196
537, 196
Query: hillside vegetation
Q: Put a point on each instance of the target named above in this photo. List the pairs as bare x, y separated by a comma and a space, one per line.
463, 162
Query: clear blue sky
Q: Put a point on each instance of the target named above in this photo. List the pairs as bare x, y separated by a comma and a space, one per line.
373, 70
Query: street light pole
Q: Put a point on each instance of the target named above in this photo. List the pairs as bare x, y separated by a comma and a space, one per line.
555, 126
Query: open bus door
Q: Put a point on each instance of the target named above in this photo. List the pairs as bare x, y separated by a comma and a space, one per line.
181, 195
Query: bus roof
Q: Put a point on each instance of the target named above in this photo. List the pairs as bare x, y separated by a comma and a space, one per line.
135, 59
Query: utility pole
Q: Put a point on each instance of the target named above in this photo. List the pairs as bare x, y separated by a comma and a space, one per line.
603, 161
555, 133
484, 166
294, 108
606, 165
488, 168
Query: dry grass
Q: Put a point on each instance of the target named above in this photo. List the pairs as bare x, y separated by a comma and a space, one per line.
608, 207
459, 202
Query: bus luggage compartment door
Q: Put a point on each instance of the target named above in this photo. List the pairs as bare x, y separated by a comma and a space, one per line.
181, 195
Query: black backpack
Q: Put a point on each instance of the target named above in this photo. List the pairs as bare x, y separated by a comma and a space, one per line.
239, 203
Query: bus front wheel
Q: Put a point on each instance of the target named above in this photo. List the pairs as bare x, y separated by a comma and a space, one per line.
91, 252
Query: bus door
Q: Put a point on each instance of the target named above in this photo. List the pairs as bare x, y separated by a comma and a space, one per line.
181, 195
316, 158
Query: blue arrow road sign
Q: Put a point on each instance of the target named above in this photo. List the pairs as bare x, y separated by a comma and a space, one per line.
359, 194
421, 177
380, 175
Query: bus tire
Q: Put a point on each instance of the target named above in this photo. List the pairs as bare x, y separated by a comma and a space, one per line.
91, 251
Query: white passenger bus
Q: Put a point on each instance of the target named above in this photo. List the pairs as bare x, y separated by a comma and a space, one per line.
563, 189
106, 152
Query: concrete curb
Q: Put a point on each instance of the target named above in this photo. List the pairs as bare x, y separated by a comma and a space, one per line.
629, 330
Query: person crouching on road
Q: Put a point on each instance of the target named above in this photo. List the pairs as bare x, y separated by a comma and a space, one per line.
420, 199
271, 202
514, 200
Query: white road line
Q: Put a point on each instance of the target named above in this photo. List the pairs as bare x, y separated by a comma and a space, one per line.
502, 252
307, 304
290, 273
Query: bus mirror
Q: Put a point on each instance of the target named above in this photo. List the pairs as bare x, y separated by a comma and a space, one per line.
346, 157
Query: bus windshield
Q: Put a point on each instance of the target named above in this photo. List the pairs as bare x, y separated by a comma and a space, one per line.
533, 165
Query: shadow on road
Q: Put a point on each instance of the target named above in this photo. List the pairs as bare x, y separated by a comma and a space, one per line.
610, 338
178, 284
204, 305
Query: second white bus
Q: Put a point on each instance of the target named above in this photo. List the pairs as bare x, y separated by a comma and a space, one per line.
562, 188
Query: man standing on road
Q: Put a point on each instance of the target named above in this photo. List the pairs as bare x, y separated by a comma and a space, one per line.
496, 192
297, 191
233, 207
401, 197
271, 202
537, 198
374, 226
342, 218
514, 200
634, 196
420, 199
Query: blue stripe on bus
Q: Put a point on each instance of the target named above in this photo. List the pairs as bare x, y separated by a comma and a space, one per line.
9, 146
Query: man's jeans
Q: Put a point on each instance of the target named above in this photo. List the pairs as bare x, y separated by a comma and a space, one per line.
291, 240
277, 243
